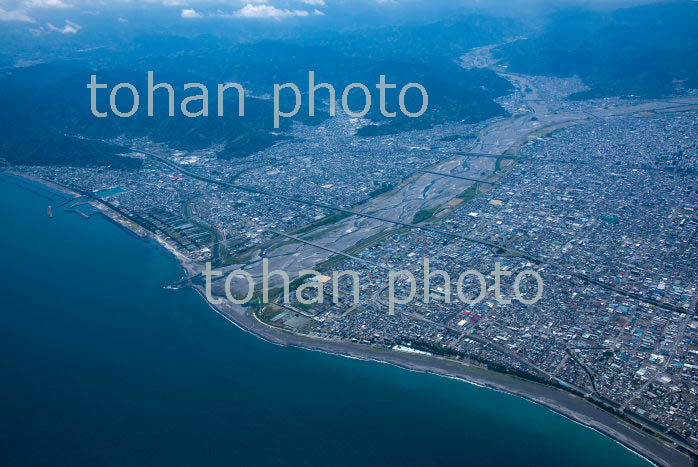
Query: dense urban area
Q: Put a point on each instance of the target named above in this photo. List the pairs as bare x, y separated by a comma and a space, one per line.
599, 197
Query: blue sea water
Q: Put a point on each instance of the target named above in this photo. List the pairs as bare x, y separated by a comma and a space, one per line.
102, 366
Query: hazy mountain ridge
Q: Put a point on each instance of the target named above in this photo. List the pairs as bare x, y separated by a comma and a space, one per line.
52, 99
649, 50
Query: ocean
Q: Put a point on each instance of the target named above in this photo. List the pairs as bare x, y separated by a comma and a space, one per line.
103, 366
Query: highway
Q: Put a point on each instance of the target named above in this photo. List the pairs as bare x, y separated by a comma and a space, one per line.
422, 227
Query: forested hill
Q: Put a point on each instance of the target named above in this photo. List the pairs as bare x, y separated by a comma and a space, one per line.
649, 50
51, 104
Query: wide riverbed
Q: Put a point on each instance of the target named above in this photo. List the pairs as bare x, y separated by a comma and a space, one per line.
102, 366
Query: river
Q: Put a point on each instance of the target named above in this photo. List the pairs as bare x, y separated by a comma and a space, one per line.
103, 366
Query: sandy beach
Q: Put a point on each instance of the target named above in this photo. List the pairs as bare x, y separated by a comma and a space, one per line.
562, 402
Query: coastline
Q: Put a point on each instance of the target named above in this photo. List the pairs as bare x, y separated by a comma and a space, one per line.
562, 402
559, 401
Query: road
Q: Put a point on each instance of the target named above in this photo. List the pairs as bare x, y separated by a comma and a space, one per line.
430, 189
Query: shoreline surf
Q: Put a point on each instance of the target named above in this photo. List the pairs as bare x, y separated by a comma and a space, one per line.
567, 405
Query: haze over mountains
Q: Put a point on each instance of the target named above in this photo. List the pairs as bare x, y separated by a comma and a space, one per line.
649, 50
51, 47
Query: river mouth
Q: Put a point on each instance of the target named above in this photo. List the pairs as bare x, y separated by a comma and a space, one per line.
100, 372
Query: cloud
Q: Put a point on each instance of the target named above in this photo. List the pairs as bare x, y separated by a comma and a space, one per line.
15, 15
267, 11
46, 4
165, 2
69, 28
190, 13
313, 2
